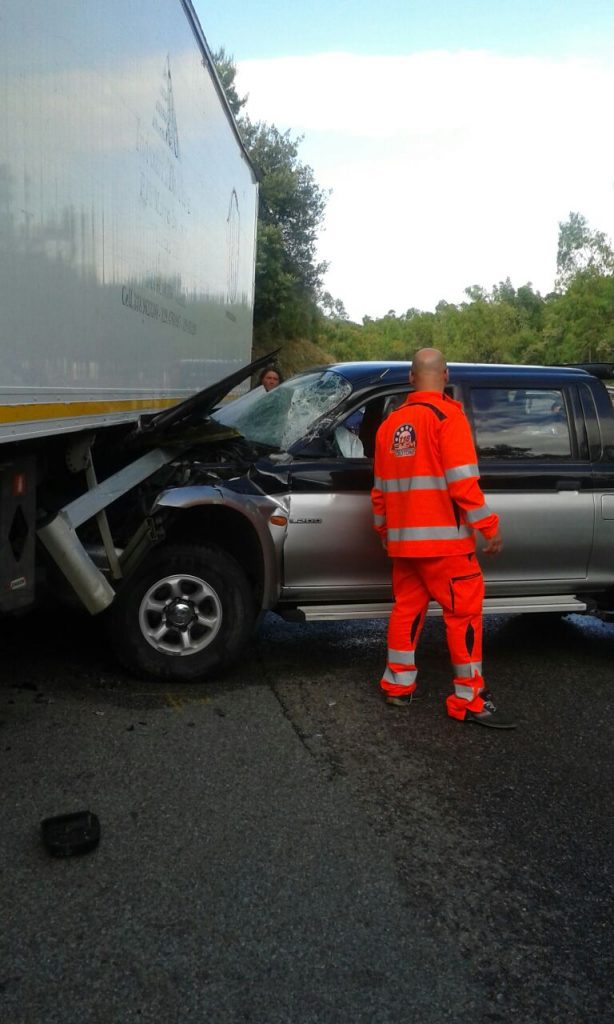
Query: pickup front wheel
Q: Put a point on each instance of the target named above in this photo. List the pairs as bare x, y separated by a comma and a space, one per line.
185, 613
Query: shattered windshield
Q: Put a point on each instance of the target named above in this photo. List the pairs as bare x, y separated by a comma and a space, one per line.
282, 416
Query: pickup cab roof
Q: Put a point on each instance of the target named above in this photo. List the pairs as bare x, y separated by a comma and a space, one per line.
362, 374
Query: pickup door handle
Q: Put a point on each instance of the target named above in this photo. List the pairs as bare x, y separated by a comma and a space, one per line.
568, 485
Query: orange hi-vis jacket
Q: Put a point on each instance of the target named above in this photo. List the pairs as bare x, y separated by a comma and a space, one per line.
427, 501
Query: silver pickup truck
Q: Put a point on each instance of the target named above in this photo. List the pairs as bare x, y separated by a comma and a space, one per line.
267, 507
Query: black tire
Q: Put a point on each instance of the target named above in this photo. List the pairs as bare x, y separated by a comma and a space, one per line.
185, 614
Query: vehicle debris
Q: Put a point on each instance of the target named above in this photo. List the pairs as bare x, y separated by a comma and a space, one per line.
69, 834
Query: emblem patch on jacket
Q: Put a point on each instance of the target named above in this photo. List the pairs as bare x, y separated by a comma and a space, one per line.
404, 440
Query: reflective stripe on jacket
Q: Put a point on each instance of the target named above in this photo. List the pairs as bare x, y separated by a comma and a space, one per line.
426, 497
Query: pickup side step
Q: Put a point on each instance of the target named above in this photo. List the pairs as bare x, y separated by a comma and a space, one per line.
563, 603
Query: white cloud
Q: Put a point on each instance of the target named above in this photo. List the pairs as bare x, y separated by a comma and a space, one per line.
447, 169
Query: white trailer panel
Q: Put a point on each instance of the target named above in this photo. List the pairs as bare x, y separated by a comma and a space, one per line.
127, 215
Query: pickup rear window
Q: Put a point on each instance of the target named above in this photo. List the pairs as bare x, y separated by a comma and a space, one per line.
520, 423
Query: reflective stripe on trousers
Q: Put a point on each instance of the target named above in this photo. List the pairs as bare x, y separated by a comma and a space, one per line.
456, 583
400, 672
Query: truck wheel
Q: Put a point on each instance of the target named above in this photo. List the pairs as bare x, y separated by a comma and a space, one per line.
186, 612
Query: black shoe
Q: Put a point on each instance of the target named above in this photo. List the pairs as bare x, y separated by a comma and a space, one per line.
489, 716
405, 699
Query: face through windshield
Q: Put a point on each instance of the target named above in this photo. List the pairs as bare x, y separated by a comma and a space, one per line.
286, 414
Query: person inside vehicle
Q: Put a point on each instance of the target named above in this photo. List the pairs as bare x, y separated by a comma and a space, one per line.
270, 378
428, 507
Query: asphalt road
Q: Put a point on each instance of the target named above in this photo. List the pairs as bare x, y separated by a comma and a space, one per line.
280, 846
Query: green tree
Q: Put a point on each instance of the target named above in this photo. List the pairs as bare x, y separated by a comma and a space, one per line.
500, 325
291, 210
581, 250
332, 308
532, 307
288, 279
579, 326
227, 73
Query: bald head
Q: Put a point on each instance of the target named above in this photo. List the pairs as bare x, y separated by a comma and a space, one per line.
429, 371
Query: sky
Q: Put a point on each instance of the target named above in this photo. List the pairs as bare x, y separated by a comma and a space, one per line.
453, 137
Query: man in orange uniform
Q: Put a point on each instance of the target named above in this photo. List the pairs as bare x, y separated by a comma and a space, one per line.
428, 505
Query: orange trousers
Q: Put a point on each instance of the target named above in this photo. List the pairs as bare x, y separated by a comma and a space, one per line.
457, 584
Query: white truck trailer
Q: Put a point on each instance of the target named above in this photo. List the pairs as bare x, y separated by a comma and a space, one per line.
127, 234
